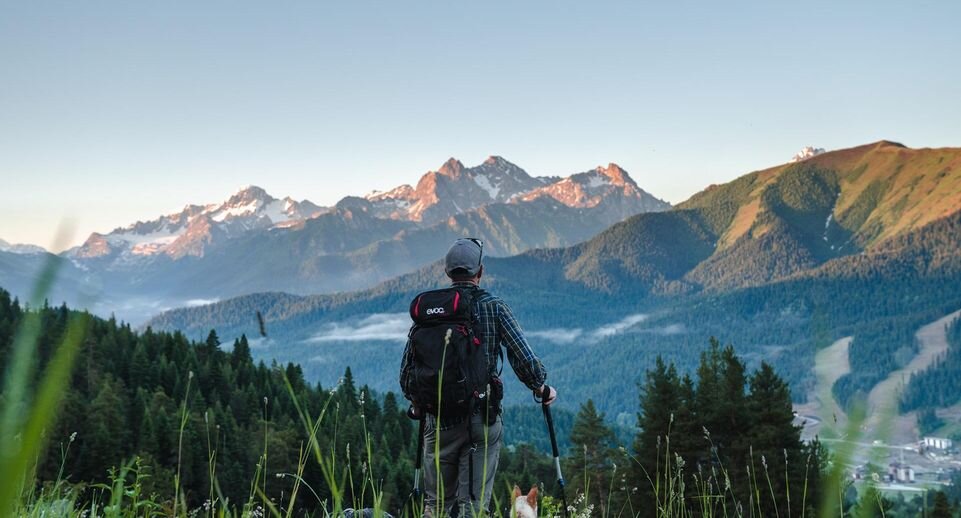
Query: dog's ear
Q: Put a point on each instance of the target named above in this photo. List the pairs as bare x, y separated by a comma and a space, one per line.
517, 493
532, 498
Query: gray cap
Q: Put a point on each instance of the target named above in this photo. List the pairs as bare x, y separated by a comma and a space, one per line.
466, 254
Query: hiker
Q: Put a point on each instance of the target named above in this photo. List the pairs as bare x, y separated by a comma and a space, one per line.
463, 329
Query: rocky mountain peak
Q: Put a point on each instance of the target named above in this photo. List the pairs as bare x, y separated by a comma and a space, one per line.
248, 194
452, 168
616, 174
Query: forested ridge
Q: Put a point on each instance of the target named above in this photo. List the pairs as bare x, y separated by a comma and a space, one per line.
881, 297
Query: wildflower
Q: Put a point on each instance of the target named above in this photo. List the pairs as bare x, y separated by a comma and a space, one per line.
280, 475
206, 418
763, 461
73, 436
707, 434
190, 375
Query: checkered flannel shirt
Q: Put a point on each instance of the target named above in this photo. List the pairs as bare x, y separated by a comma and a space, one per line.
498, 328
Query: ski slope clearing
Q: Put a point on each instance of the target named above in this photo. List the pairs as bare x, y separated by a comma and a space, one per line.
883, 421
822, 415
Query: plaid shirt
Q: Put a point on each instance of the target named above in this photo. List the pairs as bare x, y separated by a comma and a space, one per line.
498, 328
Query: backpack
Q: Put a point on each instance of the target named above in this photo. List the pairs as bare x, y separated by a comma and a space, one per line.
449, 371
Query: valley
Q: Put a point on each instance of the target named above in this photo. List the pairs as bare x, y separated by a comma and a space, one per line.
751, 262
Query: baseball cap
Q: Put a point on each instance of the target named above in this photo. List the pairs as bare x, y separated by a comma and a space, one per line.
465, 254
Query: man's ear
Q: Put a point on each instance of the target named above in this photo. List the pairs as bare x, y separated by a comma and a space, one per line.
517, 493
532, 497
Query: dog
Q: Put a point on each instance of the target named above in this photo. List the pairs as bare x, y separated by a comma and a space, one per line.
524, 506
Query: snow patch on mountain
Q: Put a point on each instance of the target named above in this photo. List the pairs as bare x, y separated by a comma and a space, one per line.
484, 183
243, 210
805, 153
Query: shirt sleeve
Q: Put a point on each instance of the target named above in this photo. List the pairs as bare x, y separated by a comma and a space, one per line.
405, 366
529, 369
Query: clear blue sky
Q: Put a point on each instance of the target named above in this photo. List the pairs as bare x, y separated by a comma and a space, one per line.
116, 111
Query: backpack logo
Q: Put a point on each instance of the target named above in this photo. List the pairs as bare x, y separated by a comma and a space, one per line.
435, 311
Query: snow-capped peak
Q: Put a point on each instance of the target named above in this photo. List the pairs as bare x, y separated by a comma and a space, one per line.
805, 153
16, 248
594, 187
189, 230
247, 201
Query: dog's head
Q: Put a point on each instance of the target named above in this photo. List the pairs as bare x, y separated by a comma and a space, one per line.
525, 506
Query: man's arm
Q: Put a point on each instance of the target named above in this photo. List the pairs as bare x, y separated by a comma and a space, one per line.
405, 366
525, 363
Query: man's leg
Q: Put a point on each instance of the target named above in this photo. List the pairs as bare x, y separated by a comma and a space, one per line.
488, 440
450, 443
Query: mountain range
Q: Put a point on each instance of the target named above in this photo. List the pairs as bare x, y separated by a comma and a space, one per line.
862, 242
254, 242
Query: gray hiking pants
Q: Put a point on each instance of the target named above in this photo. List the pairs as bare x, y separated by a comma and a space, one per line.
454, 450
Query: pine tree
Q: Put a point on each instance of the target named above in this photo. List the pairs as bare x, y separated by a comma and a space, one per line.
942, 508
105, 434
775, 440
591, 453
660, 398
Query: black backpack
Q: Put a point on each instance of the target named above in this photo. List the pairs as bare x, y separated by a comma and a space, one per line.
449, 372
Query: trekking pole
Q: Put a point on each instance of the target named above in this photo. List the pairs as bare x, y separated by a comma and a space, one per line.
557, 457
415, 493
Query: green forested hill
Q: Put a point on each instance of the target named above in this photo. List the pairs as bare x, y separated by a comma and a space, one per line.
863, 241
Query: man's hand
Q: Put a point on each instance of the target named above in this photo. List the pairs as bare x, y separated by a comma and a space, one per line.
548, 396
414, 413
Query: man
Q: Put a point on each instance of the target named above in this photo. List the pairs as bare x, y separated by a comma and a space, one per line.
477, 445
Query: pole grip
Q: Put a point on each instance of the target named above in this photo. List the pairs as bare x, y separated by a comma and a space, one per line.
420, 444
